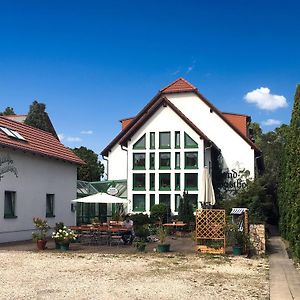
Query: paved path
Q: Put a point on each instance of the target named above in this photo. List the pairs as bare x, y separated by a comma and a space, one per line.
284, 278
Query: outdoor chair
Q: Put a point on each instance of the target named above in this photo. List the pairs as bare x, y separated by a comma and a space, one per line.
115, 238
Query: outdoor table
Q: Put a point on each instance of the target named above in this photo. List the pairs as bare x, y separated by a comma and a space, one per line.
175, 226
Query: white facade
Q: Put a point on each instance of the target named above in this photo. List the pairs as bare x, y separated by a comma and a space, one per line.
236, 152
37, 176
187, 113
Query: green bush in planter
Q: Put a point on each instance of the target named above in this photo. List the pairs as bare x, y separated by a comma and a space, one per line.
160, 212
140, 219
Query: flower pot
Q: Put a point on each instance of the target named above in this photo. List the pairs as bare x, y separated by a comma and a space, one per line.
237, 250
41, 244
163, 248
64, 246
57, 245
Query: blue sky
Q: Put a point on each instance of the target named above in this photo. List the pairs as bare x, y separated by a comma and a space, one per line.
95, 62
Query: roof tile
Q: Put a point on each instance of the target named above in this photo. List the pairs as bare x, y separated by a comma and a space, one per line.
37, 141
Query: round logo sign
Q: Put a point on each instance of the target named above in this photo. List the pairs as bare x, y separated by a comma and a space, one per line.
112, 191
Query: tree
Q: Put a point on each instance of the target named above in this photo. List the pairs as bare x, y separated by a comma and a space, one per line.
93, 170
289, 199
185, 210
38, 118
8, 111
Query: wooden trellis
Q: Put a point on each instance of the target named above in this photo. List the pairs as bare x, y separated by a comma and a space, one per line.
210, 226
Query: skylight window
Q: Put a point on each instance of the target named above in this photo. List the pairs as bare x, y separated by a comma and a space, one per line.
12, 133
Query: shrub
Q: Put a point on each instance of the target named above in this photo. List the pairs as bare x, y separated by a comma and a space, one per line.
160, 212
185, 211
140, 219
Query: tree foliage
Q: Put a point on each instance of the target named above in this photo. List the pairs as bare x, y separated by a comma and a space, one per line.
8, 111
38, 118
289, 196
185, 210
93, 170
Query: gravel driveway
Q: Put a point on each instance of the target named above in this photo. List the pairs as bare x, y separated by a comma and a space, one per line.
85, 275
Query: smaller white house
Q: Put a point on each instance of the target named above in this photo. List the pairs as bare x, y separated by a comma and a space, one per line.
38, 178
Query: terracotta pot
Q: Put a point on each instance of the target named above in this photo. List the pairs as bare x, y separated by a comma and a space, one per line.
41, 244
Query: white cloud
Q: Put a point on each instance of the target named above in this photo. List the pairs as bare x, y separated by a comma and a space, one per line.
271, 122
61, 136
73, 139
86, 132
265, 100
189, 69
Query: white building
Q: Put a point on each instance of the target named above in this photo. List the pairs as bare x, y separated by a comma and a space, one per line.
37, 179
163, 150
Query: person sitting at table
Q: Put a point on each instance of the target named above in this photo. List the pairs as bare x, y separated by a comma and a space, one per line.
127, 236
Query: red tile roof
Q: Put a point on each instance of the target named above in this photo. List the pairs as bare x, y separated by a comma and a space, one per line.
37, 141
179, 85
240, 122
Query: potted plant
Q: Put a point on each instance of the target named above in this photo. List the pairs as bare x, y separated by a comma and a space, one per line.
58, 226
237, 237
63, 237
162, 235
140, 244
40, 233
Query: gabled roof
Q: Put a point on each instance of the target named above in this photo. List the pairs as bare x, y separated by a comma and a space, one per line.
36, 141
22, 118
163, 101
178, 86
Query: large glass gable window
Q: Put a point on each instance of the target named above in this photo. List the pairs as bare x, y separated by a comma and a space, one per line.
165, 199
189, 142
141, 143
177, 201
152, 200
191, 160
152, 160
139, 160
152, 140
139, 182
191, 181
165, 160
192, 199
164, 182
177, 181
139, 203
152, 181
164, 140
177, 139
